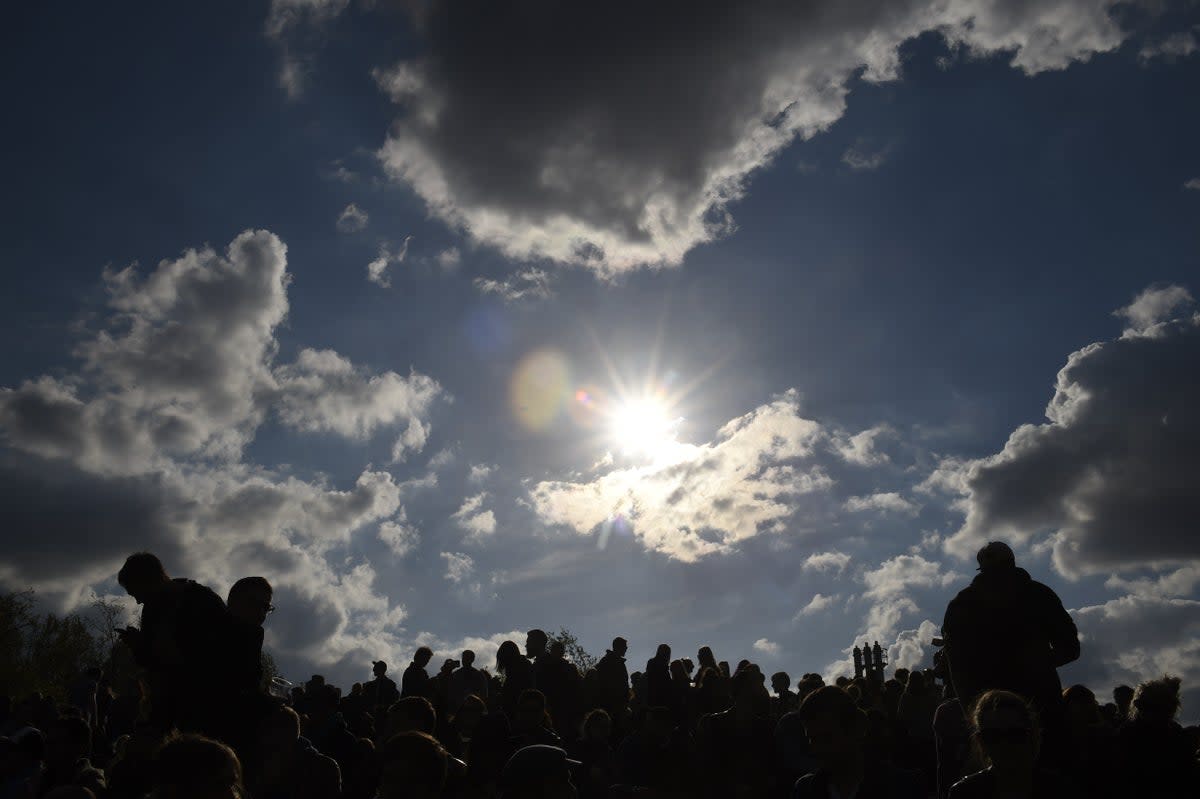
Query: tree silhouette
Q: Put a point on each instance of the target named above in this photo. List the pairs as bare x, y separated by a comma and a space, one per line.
574, 650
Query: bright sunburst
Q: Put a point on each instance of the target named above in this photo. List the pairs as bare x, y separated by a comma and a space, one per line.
643, 425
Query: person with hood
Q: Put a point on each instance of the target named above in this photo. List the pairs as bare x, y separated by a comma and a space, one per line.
1007, 631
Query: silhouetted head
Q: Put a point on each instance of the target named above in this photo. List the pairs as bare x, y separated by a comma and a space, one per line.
833, 724
535, 643
195, 767
780, 682
663, 653
142, 576
678, 671
1123, 696
915, 684
506, 655
538, 772
996, 556
1006, 731
620, 646
597, 726
379, 668
250, 600
411, 714
557, 649
902, 675
1157, 701
413, 765
423, 655
531, 710
469, 714
706, 658
279, 730
1082, 708
468, 657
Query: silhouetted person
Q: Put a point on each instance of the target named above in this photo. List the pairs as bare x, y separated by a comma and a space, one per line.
380, 691
538, 772
837, 733
1157, 756
517, 673
529, 724
658, 678
249, 603
1123, 698
1007, 734
195, 767
68, 752
467, 680
560, 681
288, 766
612, 683
737, 745
181, 643
415, 681
594, 751
1007, 631
785, 700
413, 766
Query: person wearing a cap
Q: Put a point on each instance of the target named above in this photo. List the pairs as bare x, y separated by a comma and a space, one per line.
381, 692
538, 772
1006, 630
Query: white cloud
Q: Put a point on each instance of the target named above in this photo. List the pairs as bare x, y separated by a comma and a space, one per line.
895, 576
889, 502
480, 472
323, 391
1155, 305
1193, 184
352, 219
1181, 582
472, 517
528, 283
861, 158
142, 447
459, 567
861, 448
1107, 482
694, 501
377, 270
765, 647
1134, 638
400, 536
818, 604
283, 20
568, 184
827, 562
411, 440
449, 258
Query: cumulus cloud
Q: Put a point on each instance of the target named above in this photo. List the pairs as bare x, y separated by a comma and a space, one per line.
765, 647
1108, 481
480, 472
377, 270
818, 604
352, 219
400, 536
459, 567
862, 448
472, 517
570, 154
889, 502
1153, 306
1134, 638
827, 562
697, 500
142, 446
323, 391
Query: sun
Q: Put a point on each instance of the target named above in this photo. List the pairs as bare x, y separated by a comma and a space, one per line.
643, 426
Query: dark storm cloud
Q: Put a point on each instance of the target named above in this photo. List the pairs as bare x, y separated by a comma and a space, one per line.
1112, 476
617, 134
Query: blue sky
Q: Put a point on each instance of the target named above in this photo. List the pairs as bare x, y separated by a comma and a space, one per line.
838, 256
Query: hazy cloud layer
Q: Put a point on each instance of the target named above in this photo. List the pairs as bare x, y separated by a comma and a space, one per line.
1109, 480
544, 146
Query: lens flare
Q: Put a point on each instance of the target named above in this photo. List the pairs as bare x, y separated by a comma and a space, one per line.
538, 388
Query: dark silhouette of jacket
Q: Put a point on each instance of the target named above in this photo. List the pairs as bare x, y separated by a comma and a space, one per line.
612, 683
416, 682
1005, 630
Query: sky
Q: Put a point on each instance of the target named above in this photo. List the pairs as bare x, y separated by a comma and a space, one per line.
731, 324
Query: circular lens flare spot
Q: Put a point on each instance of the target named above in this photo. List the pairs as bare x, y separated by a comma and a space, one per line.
538, 388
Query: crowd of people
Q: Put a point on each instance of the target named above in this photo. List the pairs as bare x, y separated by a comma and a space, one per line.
180, 711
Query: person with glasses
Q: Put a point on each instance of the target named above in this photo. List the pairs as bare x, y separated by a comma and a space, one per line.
1007, 737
